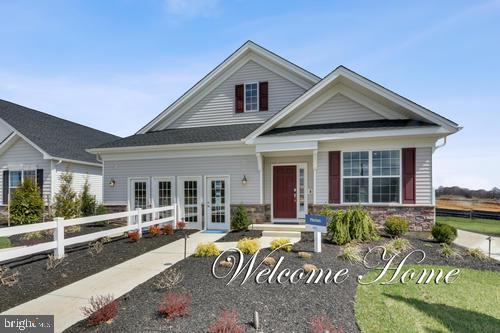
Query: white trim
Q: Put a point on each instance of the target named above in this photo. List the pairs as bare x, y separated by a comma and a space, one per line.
227, 180
242, 55
260, 167
306, 194
8, 142
245, 110
129, 190
180, 201
286, 146
179, 146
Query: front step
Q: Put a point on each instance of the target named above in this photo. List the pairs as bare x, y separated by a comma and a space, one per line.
281, 234
278, 227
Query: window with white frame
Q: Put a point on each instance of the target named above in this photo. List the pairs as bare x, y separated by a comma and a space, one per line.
371, 176
251, 97
17, 177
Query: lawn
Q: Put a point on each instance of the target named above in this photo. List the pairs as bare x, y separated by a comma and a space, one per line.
4, 242
482, 226
470, 304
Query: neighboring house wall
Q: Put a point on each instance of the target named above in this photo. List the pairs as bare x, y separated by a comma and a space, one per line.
234, 166
23, 155
339, 109
80, 173
217, 107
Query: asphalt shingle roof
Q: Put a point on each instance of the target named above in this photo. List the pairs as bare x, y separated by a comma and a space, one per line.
57, 137
186, 135
348, 127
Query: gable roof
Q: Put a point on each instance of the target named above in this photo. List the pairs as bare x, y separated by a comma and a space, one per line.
342, 72
58, 138
305, 78
184, 136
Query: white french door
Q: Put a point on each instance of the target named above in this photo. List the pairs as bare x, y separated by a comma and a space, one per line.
190, 197
139, 194
217, 203
163, 194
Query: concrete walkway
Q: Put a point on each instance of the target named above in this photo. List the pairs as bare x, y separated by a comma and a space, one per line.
65, 303
473, 240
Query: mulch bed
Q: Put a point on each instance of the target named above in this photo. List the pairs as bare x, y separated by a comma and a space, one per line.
282, 307
235, 236
35, 280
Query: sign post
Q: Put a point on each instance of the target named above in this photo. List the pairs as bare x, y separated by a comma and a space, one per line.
317, 224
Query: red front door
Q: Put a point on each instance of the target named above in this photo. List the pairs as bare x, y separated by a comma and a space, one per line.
284, 187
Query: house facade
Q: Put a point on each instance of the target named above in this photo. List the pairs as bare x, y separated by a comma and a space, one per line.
37, 146
261, 132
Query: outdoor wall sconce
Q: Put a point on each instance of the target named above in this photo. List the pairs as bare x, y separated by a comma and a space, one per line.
244, 180
112, 183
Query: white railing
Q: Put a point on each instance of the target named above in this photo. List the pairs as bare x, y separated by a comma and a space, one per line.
136, 221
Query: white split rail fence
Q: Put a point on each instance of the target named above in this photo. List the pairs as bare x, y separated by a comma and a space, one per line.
136, 221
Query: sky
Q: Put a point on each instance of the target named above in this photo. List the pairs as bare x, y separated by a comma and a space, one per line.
114, 65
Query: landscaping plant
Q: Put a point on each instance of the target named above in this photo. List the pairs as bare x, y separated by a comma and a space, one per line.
351, 224
240, 220
154, 230
281, 243
181, 225
444, 233
206, 250
477, 253
352, 253
168, 229
134, 235
447, 251
96, 247
396, 226
102, 308
322, 323
66, 200
397, 245
53, 262
4, 242
8, 279
175, 305
169, 278
227, 322
248, 245
26, 204
87, 201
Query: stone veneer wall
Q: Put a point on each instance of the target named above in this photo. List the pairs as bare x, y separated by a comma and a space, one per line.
256, 212
421, 218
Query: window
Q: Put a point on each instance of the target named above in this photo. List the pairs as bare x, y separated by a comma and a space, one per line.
251, 97
191, 201
29, 174
371, 177
164, 197
17, 177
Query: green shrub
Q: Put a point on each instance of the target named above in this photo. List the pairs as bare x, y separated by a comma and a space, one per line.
248, 245
397, 245
477, 253
88, 203
100, 210
281, 243
4, 242
352, 253
444, 233
447, 251
206, 250
26, 204
240, 220
396, 226
348, 225
66, 201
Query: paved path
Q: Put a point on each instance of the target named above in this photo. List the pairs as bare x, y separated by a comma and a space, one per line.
473, 240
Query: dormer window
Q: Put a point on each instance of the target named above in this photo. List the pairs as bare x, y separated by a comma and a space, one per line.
251, 97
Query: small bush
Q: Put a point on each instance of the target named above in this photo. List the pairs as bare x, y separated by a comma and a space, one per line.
269, 261
396, 226
26, 204
100, 210
281, 243
309, 268
351, 224
4, 242
351, 253
448, 252
134, 235
66, 203
87, 201
154, 230
444, 233
322, 323
101, 309
397, 245
248, 245
168, 229
169, 278
240, 220
181, 225
175, 305
53, 262
206, 250
8, 279
227, 322
304, 255
96, 247
477, 253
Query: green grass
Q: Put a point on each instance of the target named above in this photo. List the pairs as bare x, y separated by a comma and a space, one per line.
482, 226
4, 242
469, 304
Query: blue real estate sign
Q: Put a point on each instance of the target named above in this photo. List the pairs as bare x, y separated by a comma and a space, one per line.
316, 222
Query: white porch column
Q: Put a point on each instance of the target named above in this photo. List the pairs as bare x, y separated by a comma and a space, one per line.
315, 168
260, 167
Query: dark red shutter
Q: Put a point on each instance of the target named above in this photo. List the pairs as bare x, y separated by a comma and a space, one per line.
5, 188
334, 177
409, 175
238, 98
39, 181
263, 96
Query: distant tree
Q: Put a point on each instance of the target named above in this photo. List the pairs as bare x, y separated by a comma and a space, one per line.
26, 204
467, 193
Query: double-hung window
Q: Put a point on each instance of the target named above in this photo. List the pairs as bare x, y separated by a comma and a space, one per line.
251, 97
17, 177
371, 176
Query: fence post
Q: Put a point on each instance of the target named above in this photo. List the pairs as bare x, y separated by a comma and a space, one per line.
139, 221
175, 216
59, 237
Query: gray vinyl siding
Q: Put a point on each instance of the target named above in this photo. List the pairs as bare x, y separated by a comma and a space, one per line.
21, 155
268, 171
322, 181
80, 173
423, 175
339, 109
234, 166
217, 108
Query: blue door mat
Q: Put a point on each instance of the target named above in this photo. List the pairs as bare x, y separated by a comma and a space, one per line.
213, 231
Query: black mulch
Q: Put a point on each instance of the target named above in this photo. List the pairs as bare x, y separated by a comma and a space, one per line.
235, 236
282, 308
35, 280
